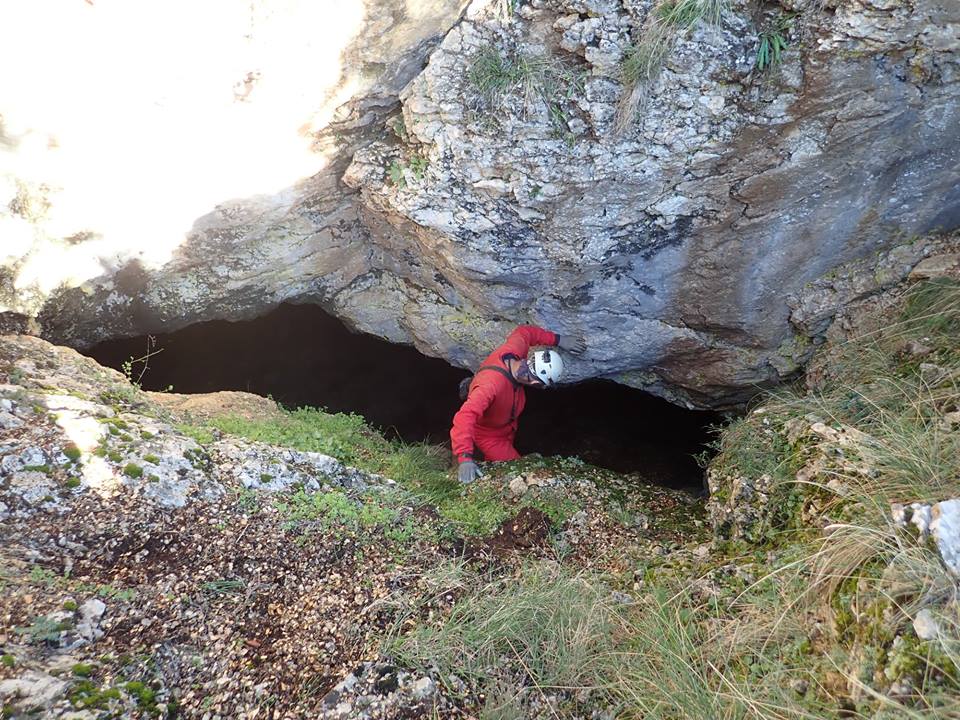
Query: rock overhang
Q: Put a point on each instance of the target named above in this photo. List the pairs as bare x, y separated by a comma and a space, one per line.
679, 247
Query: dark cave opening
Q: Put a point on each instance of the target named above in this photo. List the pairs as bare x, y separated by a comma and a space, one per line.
300, 355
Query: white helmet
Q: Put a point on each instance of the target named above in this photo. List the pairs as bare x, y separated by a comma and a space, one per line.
546, 366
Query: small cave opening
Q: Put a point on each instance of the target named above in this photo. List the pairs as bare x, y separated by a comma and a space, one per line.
300, 355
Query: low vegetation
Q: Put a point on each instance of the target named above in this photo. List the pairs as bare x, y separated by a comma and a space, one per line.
509, 80
773, 41
415, 166
796, 623
666, 21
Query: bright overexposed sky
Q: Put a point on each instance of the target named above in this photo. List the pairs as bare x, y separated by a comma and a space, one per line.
130, 112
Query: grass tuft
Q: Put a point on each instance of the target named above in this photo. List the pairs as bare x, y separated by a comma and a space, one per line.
643, 60
497, 76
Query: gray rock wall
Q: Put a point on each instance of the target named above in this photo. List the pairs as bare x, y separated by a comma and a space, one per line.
441, 215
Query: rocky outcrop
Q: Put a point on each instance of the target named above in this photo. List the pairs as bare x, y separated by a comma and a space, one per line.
887, 370
65, 435
505, 191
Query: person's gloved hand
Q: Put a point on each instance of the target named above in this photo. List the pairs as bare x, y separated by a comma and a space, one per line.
468, 472
574, 344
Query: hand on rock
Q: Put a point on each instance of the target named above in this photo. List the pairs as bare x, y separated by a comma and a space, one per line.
468, 472
574, 344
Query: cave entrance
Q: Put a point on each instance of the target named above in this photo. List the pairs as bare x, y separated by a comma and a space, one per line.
300, 355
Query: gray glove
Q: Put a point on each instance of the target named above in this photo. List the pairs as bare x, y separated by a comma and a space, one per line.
574, 344
468, 472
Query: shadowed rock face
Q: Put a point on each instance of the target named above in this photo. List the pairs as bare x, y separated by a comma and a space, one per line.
441, 216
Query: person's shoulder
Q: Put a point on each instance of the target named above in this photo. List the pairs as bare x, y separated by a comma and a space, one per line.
496, 374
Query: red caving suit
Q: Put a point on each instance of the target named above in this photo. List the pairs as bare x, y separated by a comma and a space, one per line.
488, 417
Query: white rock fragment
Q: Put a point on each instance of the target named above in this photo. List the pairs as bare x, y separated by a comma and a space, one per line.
78, 418
32, 486
945, 528
925, 625
33, 689
422, 688
518, 486
90, 613
940, 522
713, 103
8, 421
921, 518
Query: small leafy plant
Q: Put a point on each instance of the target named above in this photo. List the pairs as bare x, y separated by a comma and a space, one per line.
395, 172
417, 167
772, 42
42, 630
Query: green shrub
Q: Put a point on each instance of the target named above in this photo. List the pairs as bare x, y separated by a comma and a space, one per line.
644, 58
552, 628
85, 695
132, 470
496, 74
144, 695
479, 511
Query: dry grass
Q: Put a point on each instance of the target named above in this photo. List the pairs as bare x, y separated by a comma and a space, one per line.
500, 76
643, 61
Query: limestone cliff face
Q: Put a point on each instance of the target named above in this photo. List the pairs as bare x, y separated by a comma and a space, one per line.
478, 176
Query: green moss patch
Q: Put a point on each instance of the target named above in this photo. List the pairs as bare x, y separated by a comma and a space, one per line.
72, 452
85, 695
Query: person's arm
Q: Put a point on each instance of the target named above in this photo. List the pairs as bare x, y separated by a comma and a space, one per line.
466, 419
525, 336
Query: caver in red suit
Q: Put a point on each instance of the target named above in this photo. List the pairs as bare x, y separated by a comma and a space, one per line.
487, 420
